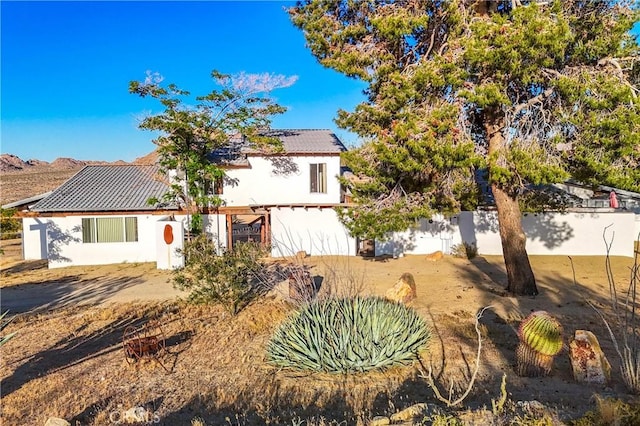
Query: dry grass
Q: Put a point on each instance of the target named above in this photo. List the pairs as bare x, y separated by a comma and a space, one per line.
70, 363
19, 185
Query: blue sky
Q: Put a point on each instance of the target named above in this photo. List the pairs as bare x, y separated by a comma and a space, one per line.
66, 67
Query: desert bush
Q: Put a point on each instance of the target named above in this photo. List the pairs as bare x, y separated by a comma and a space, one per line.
229, 278
610, 411
626, 336
464, 250
346, 335
10, 226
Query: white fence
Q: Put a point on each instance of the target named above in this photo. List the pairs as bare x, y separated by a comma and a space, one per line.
573, 233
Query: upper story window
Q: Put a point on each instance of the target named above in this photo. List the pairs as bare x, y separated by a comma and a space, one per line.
109, 229
218, 186
318, 177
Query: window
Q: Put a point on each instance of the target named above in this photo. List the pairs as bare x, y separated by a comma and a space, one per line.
109, 229
218, 187
319, 177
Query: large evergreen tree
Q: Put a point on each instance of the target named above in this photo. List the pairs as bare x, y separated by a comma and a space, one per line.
531, 93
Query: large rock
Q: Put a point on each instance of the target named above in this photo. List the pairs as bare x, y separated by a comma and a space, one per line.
435, 256
404, 290
56, 421
589, 363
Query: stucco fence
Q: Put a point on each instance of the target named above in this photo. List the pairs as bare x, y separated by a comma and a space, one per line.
574, 233
317, 231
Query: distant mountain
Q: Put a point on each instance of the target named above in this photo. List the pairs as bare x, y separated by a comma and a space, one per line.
13, 163
149, 159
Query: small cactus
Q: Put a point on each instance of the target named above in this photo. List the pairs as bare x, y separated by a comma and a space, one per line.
540, 337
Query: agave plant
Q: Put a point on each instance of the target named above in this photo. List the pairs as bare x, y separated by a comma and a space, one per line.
3, 324
348, 335
540, 337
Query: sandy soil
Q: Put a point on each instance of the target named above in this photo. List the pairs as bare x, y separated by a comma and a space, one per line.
69, 362
19, 185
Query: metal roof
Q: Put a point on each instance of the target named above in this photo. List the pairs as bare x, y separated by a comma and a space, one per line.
26, 201
106, 188
294, 142
308, 141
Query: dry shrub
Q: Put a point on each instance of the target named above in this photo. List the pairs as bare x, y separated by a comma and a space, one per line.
625, 333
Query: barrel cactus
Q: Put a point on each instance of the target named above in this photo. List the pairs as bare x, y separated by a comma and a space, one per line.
348, 335
540, 337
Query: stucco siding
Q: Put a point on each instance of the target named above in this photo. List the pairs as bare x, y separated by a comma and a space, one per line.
281, 180
316, 231
64, 246
567, 234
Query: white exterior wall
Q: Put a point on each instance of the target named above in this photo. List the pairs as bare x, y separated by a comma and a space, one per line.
430, 235
573, 233
280, 180
316, 231
215, 225
34, 238
169, 244
65, 247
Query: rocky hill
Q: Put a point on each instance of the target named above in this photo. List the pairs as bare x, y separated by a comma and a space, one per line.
22, 179
13, 163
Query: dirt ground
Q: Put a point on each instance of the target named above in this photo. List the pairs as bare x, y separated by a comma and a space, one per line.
22, 184
70, 363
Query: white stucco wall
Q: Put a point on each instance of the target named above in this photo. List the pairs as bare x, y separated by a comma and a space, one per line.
169, 241
430, 235
65, 247
316, 231
285, 182
34, 238
215, 225
572, 233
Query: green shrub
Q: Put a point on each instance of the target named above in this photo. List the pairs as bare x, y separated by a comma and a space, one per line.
227, 278
348, 335
610, 411
10, 226
464, 250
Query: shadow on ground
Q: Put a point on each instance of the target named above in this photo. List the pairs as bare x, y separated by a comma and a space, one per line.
63, 292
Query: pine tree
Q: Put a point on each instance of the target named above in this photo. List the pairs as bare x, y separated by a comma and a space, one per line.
531, 93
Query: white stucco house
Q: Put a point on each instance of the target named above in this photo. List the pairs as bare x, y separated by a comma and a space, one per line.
286, 200
101, 215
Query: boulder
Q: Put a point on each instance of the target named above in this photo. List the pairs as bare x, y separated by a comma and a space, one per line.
589, 363
56, 421
404, 290
435, 256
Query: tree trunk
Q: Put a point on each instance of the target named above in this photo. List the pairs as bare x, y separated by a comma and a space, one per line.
520, 278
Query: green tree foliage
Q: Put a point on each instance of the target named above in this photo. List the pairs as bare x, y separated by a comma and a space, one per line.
192, 128
530, 93
10, 225
232, 278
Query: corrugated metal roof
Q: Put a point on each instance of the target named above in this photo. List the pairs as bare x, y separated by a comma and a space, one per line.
106, 188
294, 142
308, 141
